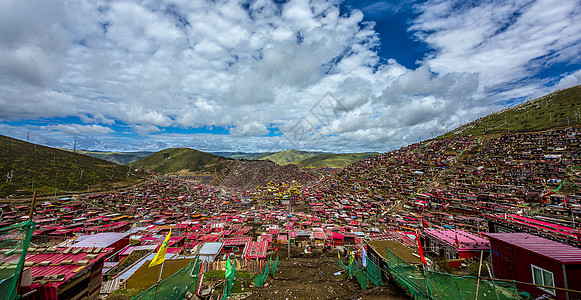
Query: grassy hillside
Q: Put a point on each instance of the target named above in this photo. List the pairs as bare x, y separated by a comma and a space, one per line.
289, 156
558, 109
177, 159
122, 158
243, 155
44, 169
333, 160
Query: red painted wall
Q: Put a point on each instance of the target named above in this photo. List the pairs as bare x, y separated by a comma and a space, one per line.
520, 267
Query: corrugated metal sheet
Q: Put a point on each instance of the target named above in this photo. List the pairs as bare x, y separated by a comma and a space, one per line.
256, 249
211, 248
130, 249
61, 263
127, 273
104, 239
549, 249
467, 241
236, 241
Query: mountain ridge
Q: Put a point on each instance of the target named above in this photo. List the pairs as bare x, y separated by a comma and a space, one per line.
558, 109
27, 166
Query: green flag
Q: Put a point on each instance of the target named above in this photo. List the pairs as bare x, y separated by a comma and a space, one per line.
233, 270
228, 272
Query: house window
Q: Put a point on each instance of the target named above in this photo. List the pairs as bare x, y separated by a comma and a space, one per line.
543, 277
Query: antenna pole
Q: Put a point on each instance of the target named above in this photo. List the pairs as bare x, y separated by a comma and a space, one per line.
32, 206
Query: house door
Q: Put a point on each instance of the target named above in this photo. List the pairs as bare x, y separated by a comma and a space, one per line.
506, 258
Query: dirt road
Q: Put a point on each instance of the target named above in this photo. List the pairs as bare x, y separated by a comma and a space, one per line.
313, 278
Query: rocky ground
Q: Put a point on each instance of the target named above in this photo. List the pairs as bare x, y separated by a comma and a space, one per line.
313, 277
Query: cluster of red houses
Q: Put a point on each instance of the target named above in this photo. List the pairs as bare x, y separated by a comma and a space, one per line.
510, 196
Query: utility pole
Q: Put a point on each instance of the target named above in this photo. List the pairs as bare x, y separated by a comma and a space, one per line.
28, 136
75, 146
81, 173
32, 206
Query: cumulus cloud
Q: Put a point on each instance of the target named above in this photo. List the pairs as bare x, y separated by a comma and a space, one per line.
249, 129
254, 67
77, 129
147, 129
502, 41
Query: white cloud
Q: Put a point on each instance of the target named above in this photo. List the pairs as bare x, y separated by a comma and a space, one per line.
262, 65
252, 128
569, 81
502, 41
147, 129
77, 129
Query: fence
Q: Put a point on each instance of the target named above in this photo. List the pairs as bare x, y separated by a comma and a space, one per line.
14, 242
371, 271
270, 268
423, 284
176, 286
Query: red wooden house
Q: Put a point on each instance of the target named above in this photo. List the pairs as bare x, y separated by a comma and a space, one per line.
528, 258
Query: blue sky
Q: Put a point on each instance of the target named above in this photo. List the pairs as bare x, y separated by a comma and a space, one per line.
264, 75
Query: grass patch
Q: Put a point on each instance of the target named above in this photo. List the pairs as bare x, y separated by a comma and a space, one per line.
124, 294
44, 169
558, 109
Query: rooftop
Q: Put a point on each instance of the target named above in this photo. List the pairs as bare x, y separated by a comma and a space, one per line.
467, 241
549, 249
63, 263
104, 239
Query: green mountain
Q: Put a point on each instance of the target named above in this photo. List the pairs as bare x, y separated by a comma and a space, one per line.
289, 156
332, 160
179, 159
122, 158
243, 155
25, 166
558, 109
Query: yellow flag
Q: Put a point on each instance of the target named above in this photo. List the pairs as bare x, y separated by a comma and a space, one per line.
160, 256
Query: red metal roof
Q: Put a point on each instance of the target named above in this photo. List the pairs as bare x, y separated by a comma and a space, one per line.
559, 252
104, 239
58, 263
256, 249
236, 241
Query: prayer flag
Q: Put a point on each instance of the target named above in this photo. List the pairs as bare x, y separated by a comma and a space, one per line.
421, 251
228, 272
160, 256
